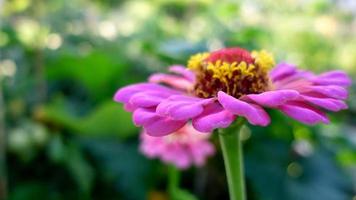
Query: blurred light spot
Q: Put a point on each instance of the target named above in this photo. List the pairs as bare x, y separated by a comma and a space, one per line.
326, 25
31, 33
346, 157
76, 28
346, 56
54, 41
250, 13
169, 25
330, 130
198, 28
27, 30
127, 27
294, 170
107, 30
16, 107
303, 147
156, 195
18, 140
39, 134
215, 44
245, 133
21, 5
354, 198
302, 133
347, 5
7, 68
4, 39
139, 9
85, 48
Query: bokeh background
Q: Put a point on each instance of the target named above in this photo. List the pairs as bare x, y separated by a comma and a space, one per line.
62, 136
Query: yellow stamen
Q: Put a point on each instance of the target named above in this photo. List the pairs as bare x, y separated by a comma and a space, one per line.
196, 60
224, 70
236, 77
263, 59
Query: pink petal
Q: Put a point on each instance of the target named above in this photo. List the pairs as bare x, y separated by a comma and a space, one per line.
253, 113
214, 116
154, 124
304, 113
143, 116
326, 103
151, 146
336, 77
124, 94
273, 98
181, 70
172, 80
163, 126
129, 107
282, 70
178, 155
148, 99
332, 91
200, 151
180, 107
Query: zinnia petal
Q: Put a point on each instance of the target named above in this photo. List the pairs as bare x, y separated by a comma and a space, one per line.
273, 98
183, 148
154, 124
332, 91
172, 80
178, 69
304, 113
199, 154
180, 107
148, 99
282, 70
214, 116
253, 113
178, 155
124, 94
326, 103
336, 77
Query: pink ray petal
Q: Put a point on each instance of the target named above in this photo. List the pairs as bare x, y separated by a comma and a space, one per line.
332, 91
336, 77
326, 103
273, 98
180, 107
148, 99
214, 116
172, 80
124, 94
199, 154
179, 69
304, 113
253, 113
282, 71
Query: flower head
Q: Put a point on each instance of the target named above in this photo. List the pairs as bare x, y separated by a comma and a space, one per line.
183, 148
219, 86
232, 70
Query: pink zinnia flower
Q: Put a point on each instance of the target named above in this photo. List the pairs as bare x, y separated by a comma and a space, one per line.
183, 148
221, 85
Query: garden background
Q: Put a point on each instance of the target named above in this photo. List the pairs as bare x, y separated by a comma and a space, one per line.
61, 61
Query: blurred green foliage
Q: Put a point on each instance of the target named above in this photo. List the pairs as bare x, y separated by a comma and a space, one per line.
61, 62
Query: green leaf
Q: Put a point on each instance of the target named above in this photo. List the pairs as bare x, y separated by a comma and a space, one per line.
108, 119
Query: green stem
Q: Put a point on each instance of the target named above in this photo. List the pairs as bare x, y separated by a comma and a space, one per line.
232, 152
173, 180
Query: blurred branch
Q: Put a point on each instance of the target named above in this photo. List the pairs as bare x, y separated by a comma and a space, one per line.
3, 177
41, 86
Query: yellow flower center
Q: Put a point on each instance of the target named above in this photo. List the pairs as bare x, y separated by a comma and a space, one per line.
233, 70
